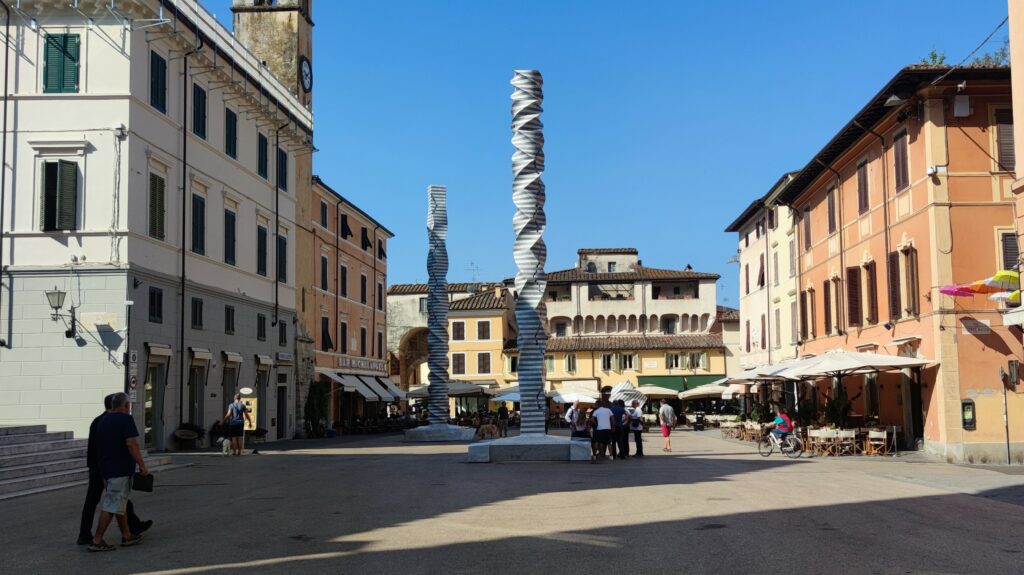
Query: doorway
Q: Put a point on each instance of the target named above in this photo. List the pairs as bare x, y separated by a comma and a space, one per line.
196, 392
262, 376
228, 385
153, 402
282, 410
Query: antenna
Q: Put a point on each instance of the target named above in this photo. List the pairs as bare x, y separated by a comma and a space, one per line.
475, 270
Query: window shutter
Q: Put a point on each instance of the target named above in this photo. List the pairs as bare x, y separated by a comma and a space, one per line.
346, 231
807, 229
872, 288
158, 82
831, 197
760, 271
704, 360
794, 329
764, 332
69, 81
199, 111
261, 250
803, 315
827, 297
67, 194
900, 160
198, 224
157, 207
1011, 252
1004, 141
913, 297
261, 155
853, 295
48, 199
229, 237
746, 278
53, 67
230, 133
282, 259
748, 335
862, 187
895, 311
775, 268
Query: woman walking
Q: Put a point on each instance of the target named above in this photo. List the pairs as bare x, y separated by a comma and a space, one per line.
237, 416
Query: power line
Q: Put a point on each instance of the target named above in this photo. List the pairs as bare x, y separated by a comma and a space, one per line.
983, 42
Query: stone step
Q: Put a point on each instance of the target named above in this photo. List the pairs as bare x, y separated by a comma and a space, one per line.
30, 469
42, 457
68, 476
21, 429
35, 437
38, 446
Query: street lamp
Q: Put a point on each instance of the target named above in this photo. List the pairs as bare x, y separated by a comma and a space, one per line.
56, 299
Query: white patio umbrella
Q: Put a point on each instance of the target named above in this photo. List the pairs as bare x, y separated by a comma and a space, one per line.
656, 392
514, 396
704, 391
455, 389
840, 363
572, 397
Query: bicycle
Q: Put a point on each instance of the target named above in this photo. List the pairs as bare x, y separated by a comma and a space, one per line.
792, 446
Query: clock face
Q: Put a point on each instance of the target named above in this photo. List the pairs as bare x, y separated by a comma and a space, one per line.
306, 74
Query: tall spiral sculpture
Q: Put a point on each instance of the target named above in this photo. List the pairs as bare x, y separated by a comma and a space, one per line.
437, 305
529, 251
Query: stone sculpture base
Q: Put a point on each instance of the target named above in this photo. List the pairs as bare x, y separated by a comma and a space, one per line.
438, 433
529, 448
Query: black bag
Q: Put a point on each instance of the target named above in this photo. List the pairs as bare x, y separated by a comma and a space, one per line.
142, 482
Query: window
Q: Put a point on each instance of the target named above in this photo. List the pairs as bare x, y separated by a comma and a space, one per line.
362, 341
561, 328
261, 156
282, 258
230, 133
775, 268
764, 332
261, 250
793, 317
1004, 141
380, 296
607, 362
282, 333
458, 363
862, 187
807, 229
157, 206
229, 237
483, 362
346, 231
158, 82
611, 267
343, 280
760, 270
668, 325
483, 330
261, 327
343, 337
198, 111
423, 305
381, 254
513, 364
198, 224
60, 196
323, 273
830, 198
1010, 251
872, 292
853, 297
60, 69
899, 156
698, 360
282, 170
197, 313
803, 315
229, 319
778, 328
757, 229
910, 268
458, 330
747, 325
323, 214
773, 221
895, 311
570, 363
827, 300
746, 240
549, 363
746, 278
325, 334
380, 345
366, 243
156, 305
362, 288
792, 258
673, 361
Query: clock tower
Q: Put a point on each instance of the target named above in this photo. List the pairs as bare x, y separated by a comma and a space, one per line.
280, 32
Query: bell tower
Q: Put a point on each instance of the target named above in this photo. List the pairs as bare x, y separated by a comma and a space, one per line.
280, 32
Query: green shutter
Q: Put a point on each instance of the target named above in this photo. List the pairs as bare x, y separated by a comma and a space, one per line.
47, 221
157, 190
70, 71
67, 194
53, 66
230, 133
158, 82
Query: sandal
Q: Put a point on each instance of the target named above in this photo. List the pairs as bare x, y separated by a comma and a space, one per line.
131, 540
101, 546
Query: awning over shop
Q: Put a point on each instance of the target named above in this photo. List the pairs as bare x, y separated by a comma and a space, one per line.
264, 360
159, 349
360, 387
232, 357
377, 388
678, 382
392, 387
335, 378
201, 354
704, 392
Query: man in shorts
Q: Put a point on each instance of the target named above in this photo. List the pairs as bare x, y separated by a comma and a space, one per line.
667, 416
117, 446
602, 430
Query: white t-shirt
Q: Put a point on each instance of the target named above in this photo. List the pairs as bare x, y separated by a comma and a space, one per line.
668, 415
603, 415
570, 416
637, 416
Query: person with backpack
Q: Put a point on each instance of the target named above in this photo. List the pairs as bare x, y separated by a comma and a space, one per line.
237, 416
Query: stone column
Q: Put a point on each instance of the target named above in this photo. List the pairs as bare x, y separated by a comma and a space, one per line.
529, 251
437, 304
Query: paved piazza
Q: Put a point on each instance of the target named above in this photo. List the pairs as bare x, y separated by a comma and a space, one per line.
375, 505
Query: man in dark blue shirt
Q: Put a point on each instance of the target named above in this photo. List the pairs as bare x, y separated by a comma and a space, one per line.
117, 449
620, 432
95, 489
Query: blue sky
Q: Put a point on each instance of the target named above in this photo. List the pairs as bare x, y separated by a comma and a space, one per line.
663, 120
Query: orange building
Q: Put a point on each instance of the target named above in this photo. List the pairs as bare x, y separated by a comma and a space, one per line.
912, 194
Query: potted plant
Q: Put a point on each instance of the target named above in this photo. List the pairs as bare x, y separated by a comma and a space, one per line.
189, 435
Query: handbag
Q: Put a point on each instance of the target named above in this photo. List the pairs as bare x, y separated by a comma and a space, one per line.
142, 482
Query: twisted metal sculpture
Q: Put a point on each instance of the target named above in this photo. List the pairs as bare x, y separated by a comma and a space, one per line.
437, 305
529, 251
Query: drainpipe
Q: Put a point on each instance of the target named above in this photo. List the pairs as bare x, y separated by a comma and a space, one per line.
373, 313
277, 221
184, 210
767, 285
840, 293
885, 207
337, 267
3, 154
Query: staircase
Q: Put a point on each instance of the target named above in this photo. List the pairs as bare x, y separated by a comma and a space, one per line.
33, 460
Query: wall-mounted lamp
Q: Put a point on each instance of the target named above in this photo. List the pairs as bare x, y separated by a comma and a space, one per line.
888, 325
33, 24
56, 300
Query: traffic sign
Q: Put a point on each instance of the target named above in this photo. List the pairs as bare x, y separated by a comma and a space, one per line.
133, 382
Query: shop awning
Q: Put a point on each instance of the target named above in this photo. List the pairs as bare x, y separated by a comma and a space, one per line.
392, 387
201, 353
159, 349
678, 382
357, 384
335, 378
264, 360
232, 357
377, 388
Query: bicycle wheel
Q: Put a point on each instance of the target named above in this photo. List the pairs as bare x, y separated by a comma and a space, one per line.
796, 447
764, 447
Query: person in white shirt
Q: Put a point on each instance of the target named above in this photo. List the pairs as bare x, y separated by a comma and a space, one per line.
572, 412
636, 425
667, 415
602, 430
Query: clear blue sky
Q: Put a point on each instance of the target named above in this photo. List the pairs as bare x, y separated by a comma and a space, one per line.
663, 120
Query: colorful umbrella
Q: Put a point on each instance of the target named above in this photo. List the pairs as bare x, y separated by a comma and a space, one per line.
956, 291
1007, 296
981, 286
1005, 280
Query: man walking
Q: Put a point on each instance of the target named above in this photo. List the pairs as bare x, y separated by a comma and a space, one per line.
118, 450
95, 489
667, 415
621, 420
636, 425
502, 421
602, 430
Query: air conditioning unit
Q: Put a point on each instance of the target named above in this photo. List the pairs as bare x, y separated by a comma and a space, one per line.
961, 106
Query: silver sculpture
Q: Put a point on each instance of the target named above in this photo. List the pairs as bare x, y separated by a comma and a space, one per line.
530, 252
437, 305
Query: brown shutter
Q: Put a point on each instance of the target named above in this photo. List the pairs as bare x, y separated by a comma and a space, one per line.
764, 332
760, 271
807, 229
803, 315
853, 311
899, 153
748, 336
157, 206
827, 297
913, 297
872, 288
1004, 141
862, 187
1011, 253
746, 278
831, 197
895, 311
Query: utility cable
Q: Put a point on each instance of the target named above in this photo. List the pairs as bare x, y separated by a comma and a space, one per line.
961, 63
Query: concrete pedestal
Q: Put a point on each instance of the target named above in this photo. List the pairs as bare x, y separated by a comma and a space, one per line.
529, 448
438, 433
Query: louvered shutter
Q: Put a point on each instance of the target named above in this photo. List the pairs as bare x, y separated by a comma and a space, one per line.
158, 82
69, 80
704, 360
760, 271
198, 224
803, 315
831, 197
807, 229
872, 288
157, 207
199, 111
48, 199
764, 332
261, 250
229, 237
53, 65
900, 160
748, 335
862, 187
913, 297
853, 295
827, 296
1011, 253
261, 156
895, 311
1004, 140
230, 133
67, 195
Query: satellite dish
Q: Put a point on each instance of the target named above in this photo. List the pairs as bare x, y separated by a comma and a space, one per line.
246, 391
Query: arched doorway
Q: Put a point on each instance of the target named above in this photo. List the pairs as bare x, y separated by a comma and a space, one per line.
412, 351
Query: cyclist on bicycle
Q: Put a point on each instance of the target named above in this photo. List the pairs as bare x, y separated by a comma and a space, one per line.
783, 425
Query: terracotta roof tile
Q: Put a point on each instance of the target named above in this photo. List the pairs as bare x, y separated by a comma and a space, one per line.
410, 289
600, 251
481, 301
632, 342
641, 273
728, 313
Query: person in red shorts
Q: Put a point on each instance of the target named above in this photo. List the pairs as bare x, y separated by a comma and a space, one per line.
667, 416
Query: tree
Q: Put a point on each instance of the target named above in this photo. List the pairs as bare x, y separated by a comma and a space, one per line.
934, 58
998, 57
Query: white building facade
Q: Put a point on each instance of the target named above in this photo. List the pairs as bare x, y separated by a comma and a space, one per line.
150, 159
